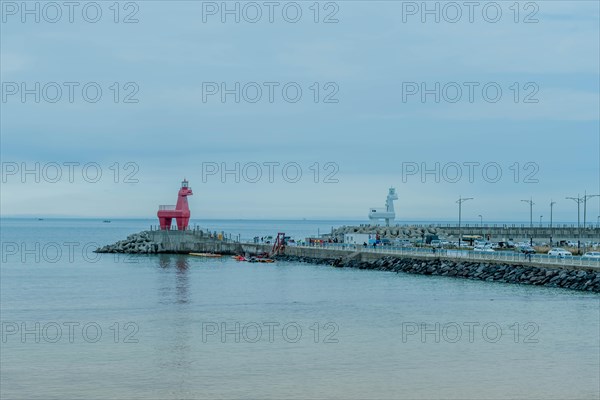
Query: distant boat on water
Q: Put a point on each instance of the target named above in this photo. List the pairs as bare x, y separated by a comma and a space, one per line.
106, 221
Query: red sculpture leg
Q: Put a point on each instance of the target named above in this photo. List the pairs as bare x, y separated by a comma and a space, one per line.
165, 223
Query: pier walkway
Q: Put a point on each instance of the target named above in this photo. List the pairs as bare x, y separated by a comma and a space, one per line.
196, 241
498, 256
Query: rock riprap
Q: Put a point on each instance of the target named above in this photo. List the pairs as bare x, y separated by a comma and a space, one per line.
137, 243
507, 273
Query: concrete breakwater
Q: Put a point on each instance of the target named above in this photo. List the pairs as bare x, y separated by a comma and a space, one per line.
496, 232
541, 276
183, 242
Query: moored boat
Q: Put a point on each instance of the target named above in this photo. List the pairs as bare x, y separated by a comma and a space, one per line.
205, 254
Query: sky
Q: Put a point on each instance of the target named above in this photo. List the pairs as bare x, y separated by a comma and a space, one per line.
300, 109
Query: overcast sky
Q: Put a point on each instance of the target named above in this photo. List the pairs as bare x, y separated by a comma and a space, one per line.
385, 97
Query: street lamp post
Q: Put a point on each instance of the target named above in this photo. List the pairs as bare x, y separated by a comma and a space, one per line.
481, 225
585, 198
552, 203
460, 201
531, 203
578, 200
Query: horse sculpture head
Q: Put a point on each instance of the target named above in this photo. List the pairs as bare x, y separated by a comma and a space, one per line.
185, 190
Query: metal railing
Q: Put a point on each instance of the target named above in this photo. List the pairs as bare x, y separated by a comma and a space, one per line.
462, 254
590, 225
166, 207
198, 231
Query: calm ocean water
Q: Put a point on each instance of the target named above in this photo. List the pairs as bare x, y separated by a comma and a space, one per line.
80, 325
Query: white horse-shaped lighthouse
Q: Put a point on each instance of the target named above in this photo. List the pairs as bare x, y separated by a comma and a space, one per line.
387, 213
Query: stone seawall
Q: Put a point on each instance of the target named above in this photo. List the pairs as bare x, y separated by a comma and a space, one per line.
576, 279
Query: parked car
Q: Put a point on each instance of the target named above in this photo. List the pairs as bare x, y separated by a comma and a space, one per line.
527, 250
402, 243
506, 245
436, 243
595, 255
559, 252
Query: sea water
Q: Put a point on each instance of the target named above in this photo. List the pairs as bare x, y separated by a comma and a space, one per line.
76, 324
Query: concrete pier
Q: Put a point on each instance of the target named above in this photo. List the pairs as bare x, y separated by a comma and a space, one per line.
183, 242
510, 267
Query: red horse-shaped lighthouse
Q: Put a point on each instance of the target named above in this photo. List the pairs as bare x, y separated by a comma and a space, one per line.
181, 211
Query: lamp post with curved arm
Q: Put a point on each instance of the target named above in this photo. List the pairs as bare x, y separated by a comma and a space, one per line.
531, 203
460, 201
578, 200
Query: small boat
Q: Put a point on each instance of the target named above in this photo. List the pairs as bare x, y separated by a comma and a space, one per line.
205, 254
239, 258
106, 221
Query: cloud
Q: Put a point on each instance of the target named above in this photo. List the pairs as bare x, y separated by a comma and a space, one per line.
369, 133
